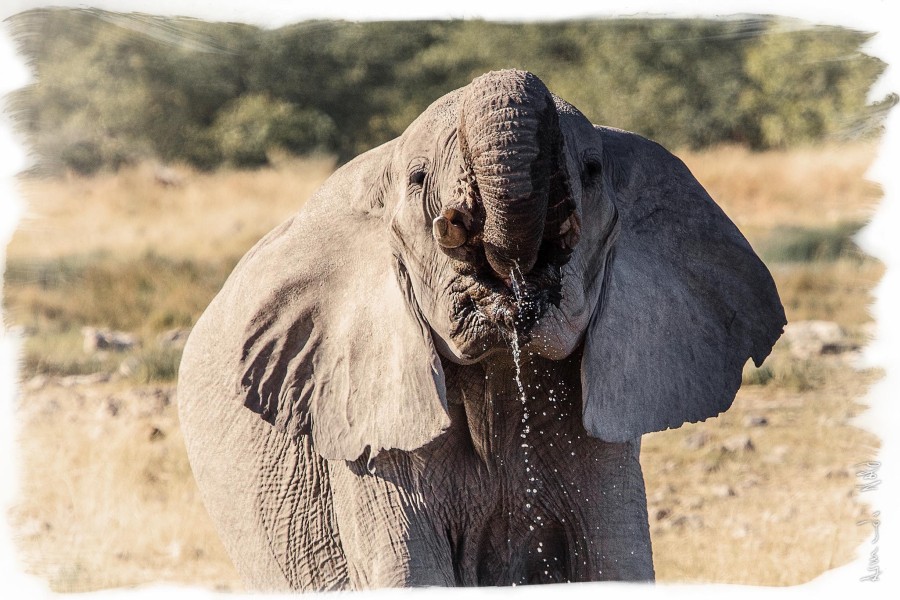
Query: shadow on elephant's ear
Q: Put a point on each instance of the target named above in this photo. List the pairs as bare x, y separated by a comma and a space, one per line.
686, 301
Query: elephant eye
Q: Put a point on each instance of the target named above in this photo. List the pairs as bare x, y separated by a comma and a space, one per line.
416, 191
593, 166
417, 177
418, 170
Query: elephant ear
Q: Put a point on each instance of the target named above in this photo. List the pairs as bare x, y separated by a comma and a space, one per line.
684, 300
320, 327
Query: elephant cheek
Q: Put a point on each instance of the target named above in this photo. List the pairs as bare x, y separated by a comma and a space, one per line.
437, 309
560, 332
555, 338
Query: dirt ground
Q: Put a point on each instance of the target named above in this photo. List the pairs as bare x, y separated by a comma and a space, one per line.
745, 498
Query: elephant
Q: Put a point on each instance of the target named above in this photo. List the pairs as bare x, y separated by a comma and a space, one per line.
439, 371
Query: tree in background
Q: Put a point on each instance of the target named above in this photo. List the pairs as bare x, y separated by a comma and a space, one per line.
113, 88
252, 126
806, 85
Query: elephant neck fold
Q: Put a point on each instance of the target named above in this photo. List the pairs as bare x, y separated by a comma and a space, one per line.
506, 408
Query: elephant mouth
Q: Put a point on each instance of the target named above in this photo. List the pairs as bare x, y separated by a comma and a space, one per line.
488, 312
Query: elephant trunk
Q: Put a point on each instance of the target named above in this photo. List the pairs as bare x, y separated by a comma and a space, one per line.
511, 143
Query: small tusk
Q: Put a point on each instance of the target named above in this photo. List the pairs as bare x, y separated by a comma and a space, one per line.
447, 233
570, 231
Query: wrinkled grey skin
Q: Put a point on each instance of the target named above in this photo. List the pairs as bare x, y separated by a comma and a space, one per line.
349, 399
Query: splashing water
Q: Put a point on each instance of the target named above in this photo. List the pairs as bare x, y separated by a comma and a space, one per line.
523, 398
517, 356
532, 482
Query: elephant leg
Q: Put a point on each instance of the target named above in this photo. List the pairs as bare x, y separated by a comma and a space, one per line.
294, 506
386, 527
268, 497
616, 541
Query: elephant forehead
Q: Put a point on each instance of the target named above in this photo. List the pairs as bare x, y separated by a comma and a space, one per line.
443, 114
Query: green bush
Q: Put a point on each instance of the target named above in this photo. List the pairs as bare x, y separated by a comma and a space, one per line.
804, 86
112, 87
82, 157
252, 126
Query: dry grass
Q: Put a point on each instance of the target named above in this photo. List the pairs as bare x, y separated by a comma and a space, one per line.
205, 217
785, 508
123, 251
780, 511
837, 291
809, 187
108, 498
209, 215
147, 293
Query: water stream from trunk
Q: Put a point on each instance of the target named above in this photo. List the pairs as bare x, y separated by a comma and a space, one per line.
532, 482
523, 398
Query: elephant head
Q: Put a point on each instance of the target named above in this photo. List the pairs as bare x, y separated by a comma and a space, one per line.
501, 218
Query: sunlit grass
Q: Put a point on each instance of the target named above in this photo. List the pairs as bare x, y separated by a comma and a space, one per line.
146, 293
817, 186
839, 291
764, 494
204, 217
109, 499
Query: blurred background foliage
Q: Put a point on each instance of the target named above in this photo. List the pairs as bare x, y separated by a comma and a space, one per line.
113, 89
